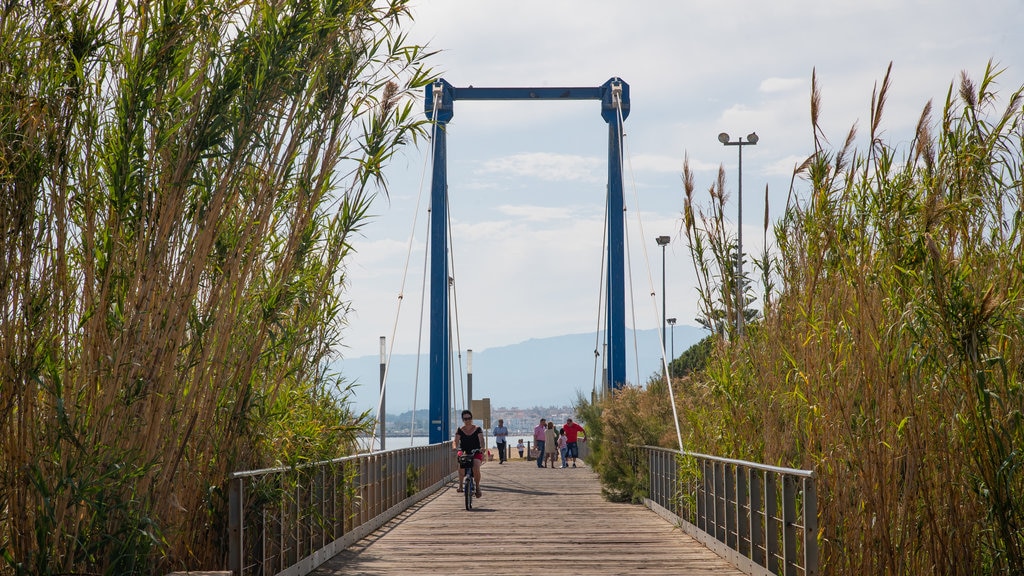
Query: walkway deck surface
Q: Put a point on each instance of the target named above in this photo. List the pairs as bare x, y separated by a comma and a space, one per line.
529, 521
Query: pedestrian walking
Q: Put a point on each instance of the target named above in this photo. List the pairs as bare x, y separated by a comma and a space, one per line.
572, 431
550, 444
561, 446
538, 441
501, 438
520, 447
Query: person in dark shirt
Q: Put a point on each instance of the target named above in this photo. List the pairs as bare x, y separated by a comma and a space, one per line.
467, 438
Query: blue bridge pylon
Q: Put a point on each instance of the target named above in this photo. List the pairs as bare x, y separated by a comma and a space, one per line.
614, 97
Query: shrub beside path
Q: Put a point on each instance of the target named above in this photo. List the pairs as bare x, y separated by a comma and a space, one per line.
529, 521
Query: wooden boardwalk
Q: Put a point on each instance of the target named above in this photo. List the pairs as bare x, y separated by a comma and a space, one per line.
530, 521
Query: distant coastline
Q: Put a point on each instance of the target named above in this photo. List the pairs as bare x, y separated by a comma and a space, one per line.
549, 371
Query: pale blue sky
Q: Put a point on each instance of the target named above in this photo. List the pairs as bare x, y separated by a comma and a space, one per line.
527, 179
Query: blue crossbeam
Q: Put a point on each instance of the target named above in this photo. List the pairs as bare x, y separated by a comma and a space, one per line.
472, 93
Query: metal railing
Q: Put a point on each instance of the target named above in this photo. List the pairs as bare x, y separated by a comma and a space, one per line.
288, 521
764, 519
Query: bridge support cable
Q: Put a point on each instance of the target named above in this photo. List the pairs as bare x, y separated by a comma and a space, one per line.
398, 306
419, 341
457, 349
600, 301
628, 267
654, 300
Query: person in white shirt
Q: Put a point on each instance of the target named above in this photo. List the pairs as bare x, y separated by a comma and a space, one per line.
501, 438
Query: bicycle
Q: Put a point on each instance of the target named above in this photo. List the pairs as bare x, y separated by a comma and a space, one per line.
469, 484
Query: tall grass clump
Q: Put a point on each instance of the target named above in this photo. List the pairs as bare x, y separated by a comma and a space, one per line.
889, 355
180, 182
628, 416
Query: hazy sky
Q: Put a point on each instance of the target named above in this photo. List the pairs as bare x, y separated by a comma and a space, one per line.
527, 179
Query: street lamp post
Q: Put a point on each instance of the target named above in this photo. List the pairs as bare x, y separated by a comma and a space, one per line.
672, 323
663, 241
751, 140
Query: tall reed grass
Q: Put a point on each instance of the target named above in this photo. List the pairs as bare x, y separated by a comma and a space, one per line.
180, 184
888, 356
890, 360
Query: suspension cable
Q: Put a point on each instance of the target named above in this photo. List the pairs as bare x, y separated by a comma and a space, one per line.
419, 339
617, 98
429, 159
650, 279
632, 300
455, 311
600, 294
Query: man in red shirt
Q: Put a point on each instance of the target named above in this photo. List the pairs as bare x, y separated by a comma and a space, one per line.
572, 431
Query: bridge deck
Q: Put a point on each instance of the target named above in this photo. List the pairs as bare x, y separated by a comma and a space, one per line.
529, 521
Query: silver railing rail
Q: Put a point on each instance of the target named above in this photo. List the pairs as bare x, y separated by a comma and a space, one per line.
288, 521
764, 519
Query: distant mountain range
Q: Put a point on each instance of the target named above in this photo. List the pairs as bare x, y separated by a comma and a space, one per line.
551, 371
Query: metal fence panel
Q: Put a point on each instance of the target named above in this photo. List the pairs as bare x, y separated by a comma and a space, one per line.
288, 521
732, 506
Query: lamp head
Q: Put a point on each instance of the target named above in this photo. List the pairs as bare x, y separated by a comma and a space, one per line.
663, 240
752, 138
723, 138
671, 321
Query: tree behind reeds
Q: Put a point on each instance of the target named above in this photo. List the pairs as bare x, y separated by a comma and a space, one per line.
180, 181
890, 358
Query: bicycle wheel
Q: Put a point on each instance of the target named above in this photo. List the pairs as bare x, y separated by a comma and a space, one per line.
469, 491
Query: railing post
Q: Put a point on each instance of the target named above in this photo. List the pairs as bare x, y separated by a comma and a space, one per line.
235, 520
771, 527
742, 511
757, 515
730, 505
789, 524
388, 470
656, 476
359, 488
325, 534
702, 497
720, 522
647, 481
810, 528
300, 519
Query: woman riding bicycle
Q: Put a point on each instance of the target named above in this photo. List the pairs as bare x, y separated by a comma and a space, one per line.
468, 438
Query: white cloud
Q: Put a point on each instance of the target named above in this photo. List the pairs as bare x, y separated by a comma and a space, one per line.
656, 163
537, 213
527, 243
548, 167
784, 166
770, 85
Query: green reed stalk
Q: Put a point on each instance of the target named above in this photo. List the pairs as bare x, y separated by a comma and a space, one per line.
180, 180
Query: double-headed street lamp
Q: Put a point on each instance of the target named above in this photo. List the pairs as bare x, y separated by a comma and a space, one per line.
663, 241
751, 140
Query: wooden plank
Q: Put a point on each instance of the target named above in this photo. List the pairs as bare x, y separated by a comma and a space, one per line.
530, 521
